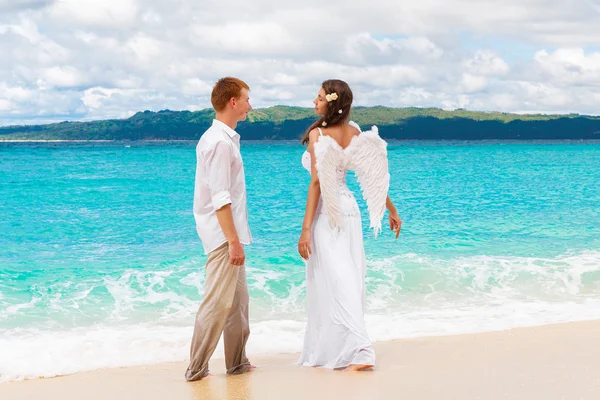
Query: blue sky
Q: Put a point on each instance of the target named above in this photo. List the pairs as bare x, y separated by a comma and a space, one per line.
96, 59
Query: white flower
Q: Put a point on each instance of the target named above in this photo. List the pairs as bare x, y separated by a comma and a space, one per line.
331, 96
340, 111
324, 123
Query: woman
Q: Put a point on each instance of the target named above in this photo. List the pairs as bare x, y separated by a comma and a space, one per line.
331, 240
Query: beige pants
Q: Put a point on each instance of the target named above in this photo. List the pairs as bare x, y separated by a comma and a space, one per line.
223, 310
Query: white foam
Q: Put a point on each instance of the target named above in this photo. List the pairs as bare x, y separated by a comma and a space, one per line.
409, 296
17, 308
28, 354
32, 353
482, 279
468, 318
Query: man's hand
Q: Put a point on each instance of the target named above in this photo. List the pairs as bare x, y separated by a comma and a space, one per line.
236, 249
237, 256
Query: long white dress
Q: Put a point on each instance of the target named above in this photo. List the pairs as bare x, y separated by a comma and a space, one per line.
336, 335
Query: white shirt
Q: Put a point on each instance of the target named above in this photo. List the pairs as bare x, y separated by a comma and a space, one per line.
219, 181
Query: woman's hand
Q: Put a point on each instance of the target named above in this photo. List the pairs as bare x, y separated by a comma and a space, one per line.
395, 223
304, 244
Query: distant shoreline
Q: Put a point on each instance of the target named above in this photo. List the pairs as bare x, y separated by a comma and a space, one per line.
51, 141
92, 141
389, 140
288, 123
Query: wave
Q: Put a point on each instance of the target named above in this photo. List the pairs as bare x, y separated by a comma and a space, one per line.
138, 316
35, 353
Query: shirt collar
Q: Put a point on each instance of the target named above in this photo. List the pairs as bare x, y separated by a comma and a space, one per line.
232, 134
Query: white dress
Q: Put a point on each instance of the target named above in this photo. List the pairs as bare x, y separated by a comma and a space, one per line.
336, 335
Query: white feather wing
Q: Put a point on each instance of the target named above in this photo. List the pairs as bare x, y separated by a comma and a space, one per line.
369, 160
328, 157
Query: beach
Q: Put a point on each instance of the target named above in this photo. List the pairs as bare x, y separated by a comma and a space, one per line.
126, 126
553, 362
110, 272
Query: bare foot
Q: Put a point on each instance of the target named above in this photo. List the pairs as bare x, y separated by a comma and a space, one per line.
252, 368
358, 367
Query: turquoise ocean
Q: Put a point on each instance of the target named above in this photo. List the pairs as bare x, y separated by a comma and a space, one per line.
100, 264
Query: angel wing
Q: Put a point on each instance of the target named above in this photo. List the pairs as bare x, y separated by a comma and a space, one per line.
369, 160
327, 160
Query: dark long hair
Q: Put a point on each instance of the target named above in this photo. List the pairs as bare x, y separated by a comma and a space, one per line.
332, 116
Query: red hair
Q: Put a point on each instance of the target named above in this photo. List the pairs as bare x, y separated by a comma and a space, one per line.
224, 90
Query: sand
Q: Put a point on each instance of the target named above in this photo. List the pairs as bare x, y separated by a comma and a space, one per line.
546, 363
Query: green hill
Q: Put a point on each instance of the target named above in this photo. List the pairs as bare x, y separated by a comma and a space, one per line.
289, 123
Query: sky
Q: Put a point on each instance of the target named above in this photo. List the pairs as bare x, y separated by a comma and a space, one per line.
98, 59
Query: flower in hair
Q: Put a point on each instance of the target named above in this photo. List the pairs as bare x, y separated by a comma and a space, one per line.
340, 111
331, 96
324, 123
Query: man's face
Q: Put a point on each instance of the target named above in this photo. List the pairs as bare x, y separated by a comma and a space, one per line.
242, 105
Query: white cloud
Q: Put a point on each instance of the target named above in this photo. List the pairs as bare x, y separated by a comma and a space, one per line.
504, 101
547, 96
570, 66
94, 98
486, 63
364, 49
147, 49
99, 13
106, 58
461, 101
6, 105
16, 93
267, 38
472, 83
11, 6
196, 87
60, 77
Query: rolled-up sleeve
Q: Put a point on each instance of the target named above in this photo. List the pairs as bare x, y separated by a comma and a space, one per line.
218, 166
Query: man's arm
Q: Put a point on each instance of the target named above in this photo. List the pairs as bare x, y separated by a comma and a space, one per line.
236, 249
219, 173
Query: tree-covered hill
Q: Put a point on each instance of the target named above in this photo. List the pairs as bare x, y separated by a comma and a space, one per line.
288, 123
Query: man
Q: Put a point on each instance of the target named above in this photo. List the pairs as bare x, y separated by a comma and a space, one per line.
222, 224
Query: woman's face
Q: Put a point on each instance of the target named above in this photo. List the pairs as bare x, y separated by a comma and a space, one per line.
320, 102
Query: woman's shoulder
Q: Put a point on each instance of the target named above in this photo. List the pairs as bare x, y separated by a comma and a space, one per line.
314, 134
373, 128
355, 127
